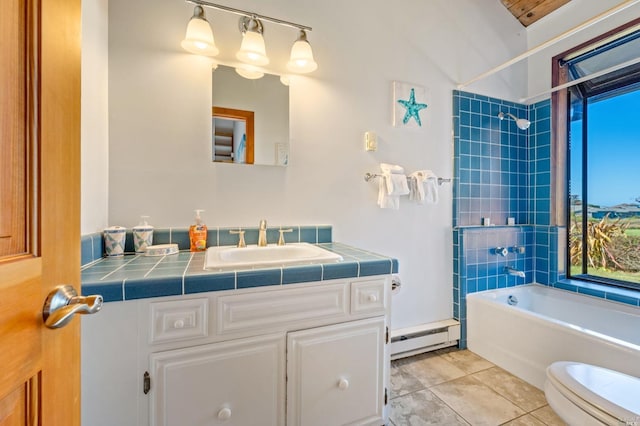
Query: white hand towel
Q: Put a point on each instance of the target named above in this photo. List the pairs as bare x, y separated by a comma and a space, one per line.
392, 184
430, 187
396, 184
391, 168
416, 186
424, 187
384, 200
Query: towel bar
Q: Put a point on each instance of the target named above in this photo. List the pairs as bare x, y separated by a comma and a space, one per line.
369, 176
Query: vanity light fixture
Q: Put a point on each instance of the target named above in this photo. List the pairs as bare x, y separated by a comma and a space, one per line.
301, 59
522, 123
199, 39
252, 50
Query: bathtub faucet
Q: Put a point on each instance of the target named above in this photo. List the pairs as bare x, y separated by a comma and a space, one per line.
513, 271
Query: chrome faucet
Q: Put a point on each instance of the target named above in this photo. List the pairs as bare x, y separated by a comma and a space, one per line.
513, 271
262, 234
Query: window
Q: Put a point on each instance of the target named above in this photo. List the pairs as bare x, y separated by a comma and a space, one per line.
603, 158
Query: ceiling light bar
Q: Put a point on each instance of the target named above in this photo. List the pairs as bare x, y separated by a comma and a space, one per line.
199, 39
250, 14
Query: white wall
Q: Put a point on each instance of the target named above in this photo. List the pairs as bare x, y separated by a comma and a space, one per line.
94, 127
568, 17
160, 126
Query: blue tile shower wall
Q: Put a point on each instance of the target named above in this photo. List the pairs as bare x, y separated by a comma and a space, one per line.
491, 161
540, 163
501, 171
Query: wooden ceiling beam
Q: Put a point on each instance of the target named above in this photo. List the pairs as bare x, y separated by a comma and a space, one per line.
530, 11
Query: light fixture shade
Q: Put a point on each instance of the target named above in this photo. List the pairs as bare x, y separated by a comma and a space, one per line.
249, 72
199, 37
301, 59
252, 50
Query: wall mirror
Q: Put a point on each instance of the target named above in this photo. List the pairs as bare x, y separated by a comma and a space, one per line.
250, 119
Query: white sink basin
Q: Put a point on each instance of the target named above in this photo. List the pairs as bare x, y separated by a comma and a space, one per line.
271, 255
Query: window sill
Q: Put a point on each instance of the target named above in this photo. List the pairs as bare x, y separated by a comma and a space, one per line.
621, 295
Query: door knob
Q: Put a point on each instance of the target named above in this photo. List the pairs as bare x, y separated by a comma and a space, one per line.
63, 302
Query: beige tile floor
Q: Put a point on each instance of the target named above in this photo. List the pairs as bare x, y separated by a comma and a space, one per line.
457, 387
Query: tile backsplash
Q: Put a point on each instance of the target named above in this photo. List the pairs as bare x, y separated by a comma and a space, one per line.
92, 245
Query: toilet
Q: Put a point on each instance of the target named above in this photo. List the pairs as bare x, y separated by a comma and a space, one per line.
583, 394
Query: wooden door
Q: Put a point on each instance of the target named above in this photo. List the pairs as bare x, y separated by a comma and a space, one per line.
39, 208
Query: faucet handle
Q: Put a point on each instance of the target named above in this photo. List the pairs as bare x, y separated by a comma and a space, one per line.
517, 249
281, 239
502, 251
240, 232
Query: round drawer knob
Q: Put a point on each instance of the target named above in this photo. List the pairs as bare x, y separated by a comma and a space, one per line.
372, 298
178, 324
224, 414
343, 384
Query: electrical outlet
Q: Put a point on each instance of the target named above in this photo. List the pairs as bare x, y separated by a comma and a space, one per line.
370, 141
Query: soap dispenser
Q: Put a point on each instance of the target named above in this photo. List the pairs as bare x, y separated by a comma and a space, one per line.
142, 235
198, 234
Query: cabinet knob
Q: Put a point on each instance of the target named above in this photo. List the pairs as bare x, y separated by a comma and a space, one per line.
178, 323
343, 384
372, 298
224, 414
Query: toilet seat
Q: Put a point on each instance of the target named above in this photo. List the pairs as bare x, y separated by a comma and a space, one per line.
609, 396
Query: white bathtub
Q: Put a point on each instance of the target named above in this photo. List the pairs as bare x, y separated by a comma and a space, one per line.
550, 325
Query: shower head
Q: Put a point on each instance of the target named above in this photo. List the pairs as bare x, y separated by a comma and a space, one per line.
522, 123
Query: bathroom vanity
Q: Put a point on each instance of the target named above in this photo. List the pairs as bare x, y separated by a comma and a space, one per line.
298, 353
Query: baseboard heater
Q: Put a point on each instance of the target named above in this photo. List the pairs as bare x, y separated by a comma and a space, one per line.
424, 338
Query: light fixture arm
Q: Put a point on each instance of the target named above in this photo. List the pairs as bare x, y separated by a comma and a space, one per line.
249, 14
250, 24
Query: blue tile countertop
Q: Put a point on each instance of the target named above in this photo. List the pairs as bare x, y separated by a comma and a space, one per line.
133, 276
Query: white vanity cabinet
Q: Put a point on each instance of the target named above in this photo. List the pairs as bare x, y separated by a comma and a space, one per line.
303, 354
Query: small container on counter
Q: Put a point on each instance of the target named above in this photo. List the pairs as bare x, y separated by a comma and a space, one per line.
198, 234
114, 239
142, 235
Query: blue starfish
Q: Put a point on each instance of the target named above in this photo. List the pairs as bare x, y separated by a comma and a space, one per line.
413, 108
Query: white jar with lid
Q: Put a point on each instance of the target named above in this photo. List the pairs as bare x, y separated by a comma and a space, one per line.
142, 235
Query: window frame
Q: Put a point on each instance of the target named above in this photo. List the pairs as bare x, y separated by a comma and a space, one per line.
561, 161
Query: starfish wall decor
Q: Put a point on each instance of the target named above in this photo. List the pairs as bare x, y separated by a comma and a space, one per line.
408, 103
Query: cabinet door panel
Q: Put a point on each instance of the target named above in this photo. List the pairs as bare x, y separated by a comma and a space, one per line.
336, 374
239, 382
